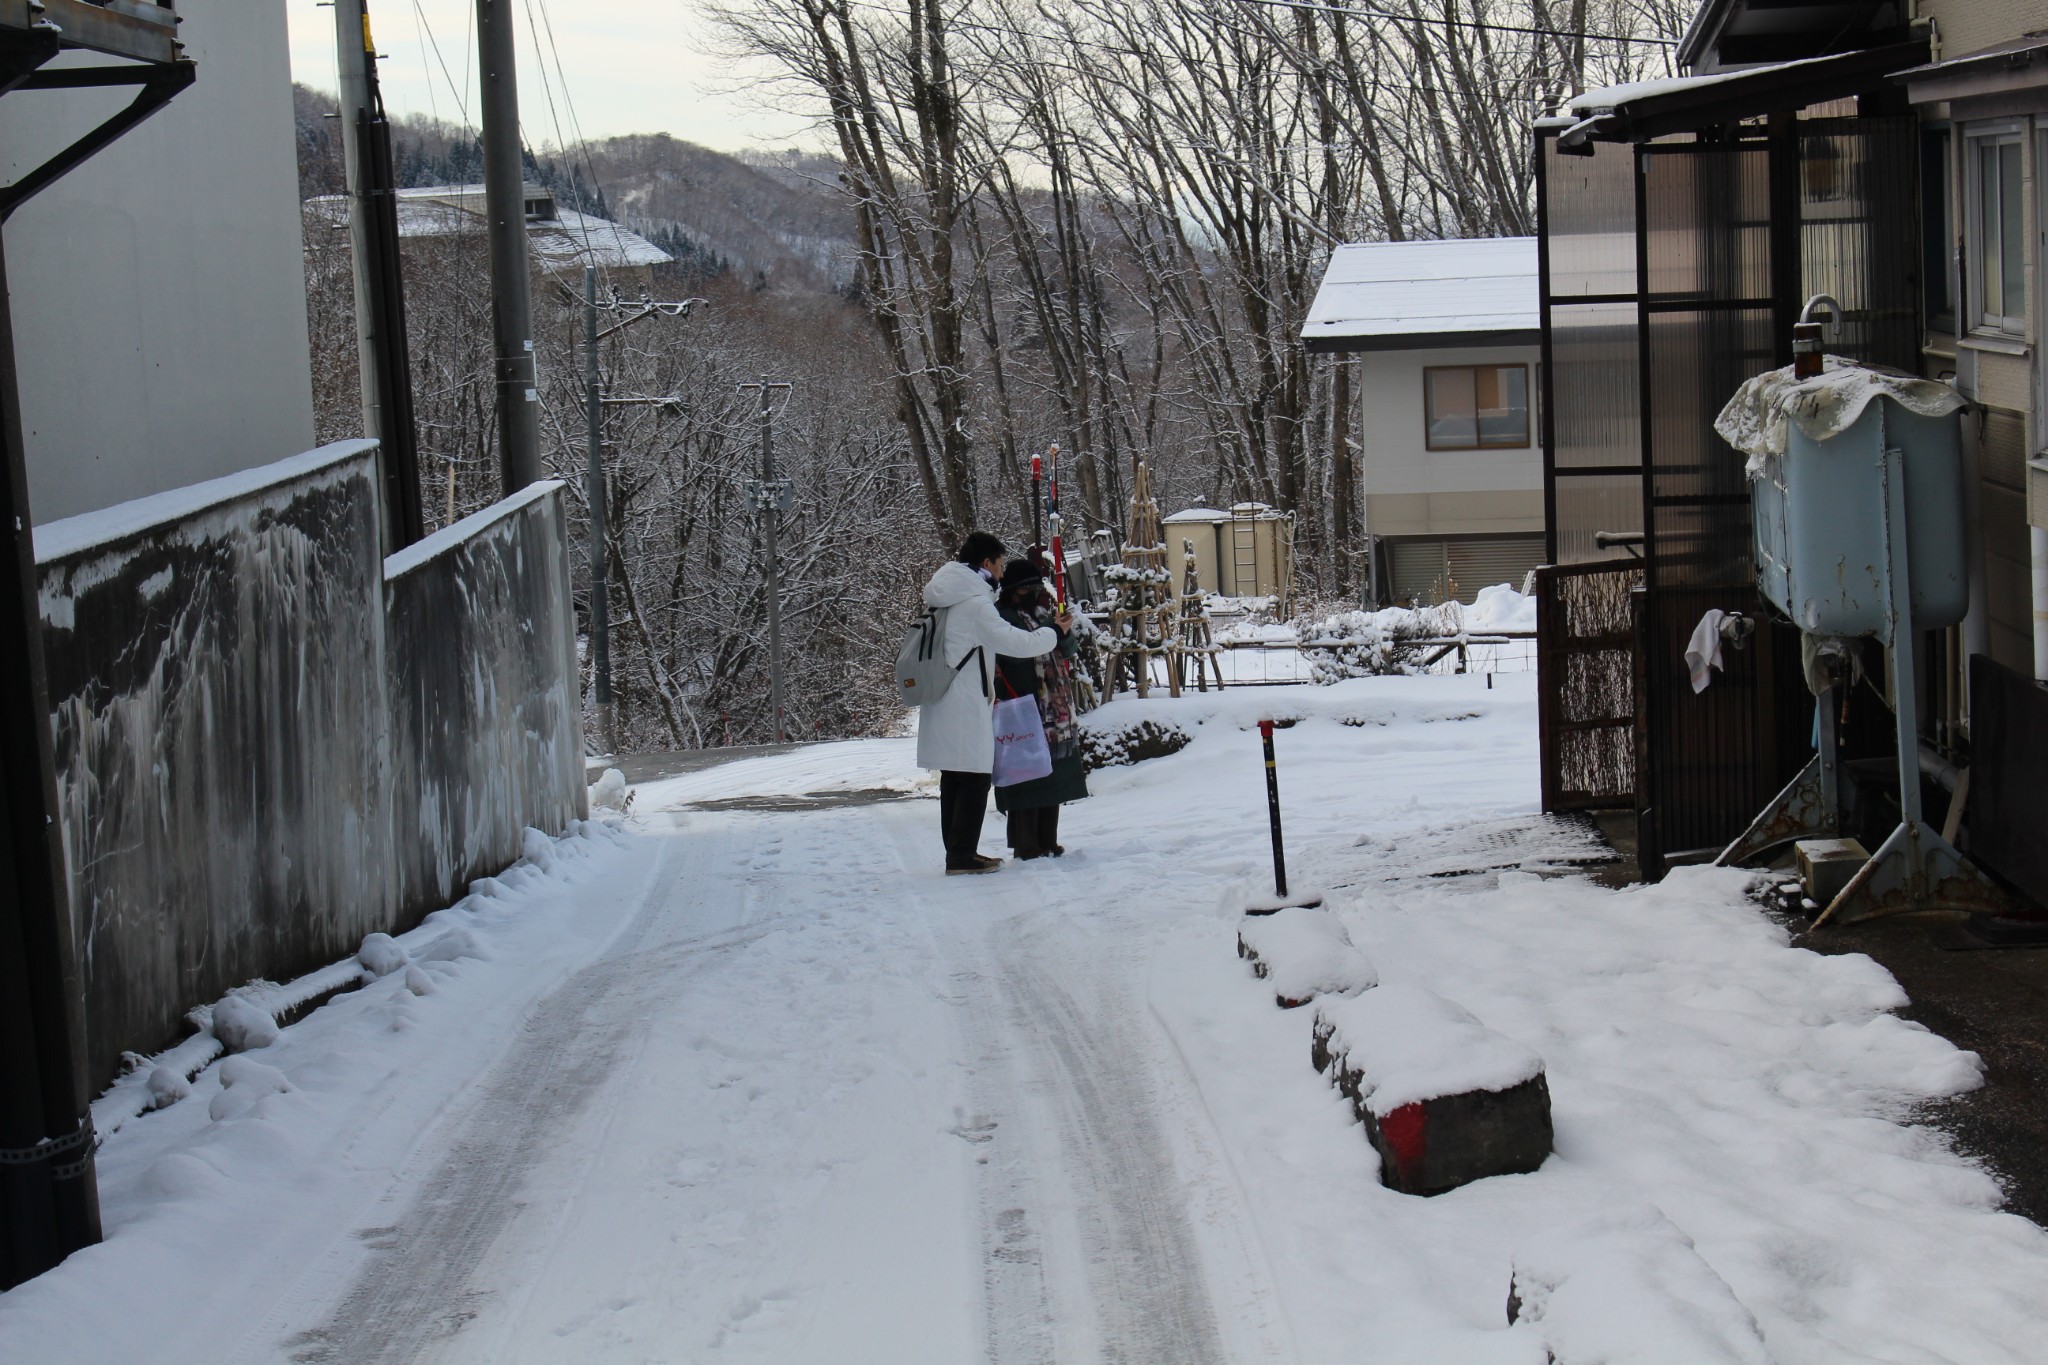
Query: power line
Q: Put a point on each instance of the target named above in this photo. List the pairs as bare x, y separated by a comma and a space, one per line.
548, 89
575, 119
1366, 10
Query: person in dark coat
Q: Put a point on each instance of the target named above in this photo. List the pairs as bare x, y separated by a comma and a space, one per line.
1034, 807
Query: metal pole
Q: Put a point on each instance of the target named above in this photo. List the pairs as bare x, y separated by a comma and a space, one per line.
600, 587
1273, 810
352, 61
505, 210
1037, 502
770, 513
49, 1196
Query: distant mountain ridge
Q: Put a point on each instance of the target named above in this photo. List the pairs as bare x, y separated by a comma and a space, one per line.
772, 221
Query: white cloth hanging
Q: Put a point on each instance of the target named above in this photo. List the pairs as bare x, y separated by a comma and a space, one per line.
1703, 651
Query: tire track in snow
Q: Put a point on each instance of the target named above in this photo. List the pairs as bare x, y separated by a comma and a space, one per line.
416, 1292
1061, 1027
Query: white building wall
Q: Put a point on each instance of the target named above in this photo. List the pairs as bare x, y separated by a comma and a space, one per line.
158, 291
1413, 490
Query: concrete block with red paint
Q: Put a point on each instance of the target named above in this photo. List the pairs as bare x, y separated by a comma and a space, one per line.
1444, 1099
1303, 955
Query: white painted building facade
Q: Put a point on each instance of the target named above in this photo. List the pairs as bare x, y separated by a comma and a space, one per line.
159, 290
1442, 337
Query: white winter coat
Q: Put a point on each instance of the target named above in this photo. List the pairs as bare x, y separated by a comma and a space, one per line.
957, 733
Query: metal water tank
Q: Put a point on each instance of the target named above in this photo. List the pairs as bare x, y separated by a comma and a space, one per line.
1820, 522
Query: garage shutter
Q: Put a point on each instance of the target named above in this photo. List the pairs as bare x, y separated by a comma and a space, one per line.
1481, 563
1418, 570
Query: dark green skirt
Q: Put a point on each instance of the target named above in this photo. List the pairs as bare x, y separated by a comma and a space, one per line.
1068, 781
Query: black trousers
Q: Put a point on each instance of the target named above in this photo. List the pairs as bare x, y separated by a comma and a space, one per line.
1035, 831
963, 803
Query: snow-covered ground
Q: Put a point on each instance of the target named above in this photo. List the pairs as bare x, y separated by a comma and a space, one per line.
753, 1084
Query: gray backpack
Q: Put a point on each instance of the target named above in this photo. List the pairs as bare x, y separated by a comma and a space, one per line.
922, 673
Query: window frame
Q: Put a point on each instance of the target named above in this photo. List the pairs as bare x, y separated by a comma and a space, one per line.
1479, 441
1975, 307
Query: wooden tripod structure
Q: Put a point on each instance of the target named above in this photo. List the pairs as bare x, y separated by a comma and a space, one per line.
1142, 619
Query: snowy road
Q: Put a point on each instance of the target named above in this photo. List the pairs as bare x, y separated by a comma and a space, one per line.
749, 1081
943, 1110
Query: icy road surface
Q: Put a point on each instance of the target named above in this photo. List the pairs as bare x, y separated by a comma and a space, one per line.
736, 1082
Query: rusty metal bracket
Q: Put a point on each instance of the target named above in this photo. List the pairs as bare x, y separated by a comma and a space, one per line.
1913, 869
1797, 812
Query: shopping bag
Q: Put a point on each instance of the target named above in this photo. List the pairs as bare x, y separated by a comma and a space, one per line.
1021, 751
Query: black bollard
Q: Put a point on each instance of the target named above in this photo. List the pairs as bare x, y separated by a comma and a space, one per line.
1273, 811
1281, 899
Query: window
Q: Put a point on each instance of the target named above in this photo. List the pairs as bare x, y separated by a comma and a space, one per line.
1475, 407
1997, 294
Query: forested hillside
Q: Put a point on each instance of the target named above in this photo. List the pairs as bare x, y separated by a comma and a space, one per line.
1097, 224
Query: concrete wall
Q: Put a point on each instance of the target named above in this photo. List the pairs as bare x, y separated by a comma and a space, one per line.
486, 718
158, 291
1413, 490
265, 750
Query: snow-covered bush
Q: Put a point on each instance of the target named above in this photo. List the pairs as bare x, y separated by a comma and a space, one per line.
1358, 644
1112, 747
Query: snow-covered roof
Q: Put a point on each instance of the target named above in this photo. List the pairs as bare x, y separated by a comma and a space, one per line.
1198, 514
1610, 97
1384, 296
566, 239
1640, 111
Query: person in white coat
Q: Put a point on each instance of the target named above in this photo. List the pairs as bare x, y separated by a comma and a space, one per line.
957, 734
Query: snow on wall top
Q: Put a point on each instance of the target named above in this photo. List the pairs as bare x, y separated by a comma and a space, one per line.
448, 537
1416, 289
124, 520
568, 238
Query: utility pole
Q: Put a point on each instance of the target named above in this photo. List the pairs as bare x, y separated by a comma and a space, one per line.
593, 496
382, 354
771, 497
594, 403
49, 1192
505, 211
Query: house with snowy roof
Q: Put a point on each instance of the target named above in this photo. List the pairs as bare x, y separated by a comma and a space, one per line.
1883, 159
562, 240
1442, 337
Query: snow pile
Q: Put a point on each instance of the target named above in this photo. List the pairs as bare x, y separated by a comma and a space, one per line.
244, 1084
1569, 1283
1304, 954
537, 849
167, 1085
240, 1023
1501, 608
610, 792
1408, 1045
1757, 421
381, 955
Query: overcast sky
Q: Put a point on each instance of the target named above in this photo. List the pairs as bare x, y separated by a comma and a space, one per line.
630, 66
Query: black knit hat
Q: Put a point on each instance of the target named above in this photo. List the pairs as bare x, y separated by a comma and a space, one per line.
1019, 572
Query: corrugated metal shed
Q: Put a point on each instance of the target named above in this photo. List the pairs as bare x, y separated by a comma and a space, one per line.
563, 240
1398, 296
